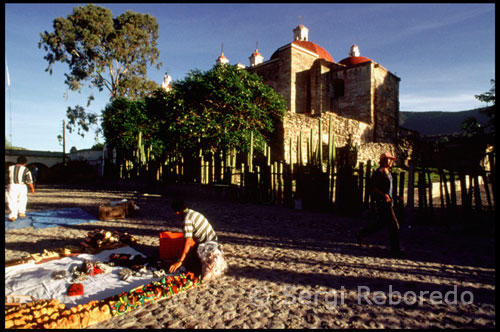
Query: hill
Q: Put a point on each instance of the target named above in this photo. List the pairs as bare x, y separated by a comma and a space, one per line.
438, 123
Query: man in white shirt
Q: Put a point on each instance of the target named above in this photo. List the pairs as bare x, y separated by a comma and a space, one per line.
17, 192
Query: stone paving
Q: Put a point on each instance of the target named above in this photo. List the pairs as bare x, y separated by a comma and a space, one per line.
291, 268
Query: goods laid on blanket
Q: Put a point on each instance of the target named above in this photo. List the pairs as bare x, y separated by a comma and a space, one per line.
52, 314
96, 241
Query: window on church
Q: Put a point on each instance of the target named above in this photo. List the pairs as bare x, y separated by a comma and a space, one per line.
338, 88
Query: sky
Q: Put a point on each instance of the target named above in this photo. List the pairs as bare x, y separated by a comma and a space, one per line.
444, 54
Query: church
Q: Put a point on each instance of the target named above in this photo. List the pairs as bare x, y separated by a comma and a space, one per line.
358, 94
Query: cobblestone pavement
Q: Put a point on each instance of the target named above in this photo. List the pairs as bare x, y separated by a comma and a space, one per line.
291, 268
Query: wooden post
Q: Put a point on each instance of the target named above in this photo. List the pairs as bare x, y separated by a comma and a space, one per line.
280, 183
320, 147
367, 184
486, 188
410, 202
401, 184
442, 182
430, 190
421, 191
299, 149
463, 189
361, 182
250, 156
395, 179
477, 192
453, 190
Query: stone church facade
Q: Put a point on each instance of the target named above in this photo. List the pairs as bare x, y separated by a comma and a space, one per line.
360, 95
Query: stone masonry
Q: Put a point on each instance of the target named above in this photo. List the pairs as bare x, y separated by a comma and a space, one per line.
360, 96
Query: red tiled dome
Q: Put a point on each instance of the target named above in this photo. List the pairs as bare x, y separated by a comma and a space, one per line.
315, 48
310, 46
354, 60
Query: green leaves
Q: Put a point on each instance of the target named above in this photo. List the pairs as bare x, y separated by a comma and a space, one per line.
103, 52
217, 109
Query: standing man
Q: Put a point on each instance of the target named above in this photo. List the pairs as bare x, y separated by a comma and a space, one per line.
197, 230
381, 191
17, 192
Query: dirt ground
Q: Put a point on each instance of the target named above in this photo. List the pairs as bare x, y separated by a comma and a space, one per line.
292, 268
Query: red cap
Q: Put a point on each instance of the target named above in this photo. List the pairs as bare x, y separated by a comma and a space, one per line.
387, 155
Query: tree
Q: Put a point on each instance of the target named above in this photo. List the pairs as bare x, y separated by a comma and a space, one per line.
489, 97
471, 126
122, 120
102, 52
8, 145
218, 109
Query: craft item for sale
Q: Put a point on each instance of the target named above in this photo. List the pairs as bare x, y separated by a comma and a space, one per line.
61, 274
75, 289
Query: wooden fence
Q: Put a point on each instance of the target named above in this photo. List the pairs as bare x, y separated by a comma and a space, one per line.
336, 182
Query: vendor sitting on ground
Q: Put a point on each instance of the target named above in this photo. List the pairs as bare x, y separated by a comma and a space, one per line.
197, 230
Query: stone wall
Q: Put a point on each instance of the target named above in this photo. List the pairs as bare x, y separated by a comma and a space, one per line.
344, 131
386, 104
301, 62
357, 103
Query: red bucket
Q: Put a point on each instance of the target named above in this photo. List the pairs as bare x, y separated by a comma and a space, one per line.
171, 245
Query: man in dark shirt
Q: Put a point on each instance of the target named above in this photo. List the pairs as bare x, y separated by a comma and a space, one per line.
381, 191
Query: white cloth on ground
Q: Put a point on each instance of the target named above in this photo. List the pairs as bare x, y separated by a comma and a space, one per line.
36, 280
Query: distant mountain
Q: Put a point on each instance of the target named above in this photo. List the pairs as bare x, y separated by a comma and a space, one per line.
438, 123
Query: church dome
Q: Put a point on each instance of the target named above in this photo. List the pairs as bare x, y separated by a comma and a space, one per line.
310, 46
301, 39
354, 57
354, 60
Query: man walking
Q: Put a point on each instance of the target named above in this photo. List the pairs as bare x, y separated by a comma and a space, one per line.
381, 190
17, 192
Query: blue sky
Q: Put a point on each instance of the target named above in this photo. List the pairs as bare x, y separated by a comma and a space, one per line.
443, 53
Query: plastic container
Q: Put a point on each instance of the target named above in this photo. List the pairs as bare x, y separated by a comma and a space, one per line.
171, 245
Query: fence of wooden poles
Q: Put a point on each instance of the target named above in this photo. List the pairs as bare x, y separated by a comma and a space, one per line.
323, 182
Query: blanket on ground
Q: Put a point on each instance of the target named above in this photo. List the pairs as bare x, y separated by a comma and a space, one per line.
37, 279
51, 218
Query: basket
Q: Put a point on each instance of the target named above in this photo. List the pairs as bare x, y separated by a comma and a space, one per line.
171, 245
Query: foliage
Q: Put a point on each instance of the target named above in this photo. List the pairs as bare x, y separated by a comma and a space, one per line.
103, 52
217, 110
489, 96
122, 120
471, 126
8, 145
97, 147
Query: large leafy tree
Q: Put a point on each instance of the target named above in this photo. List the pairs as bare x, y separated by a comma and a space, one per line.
218, 109
102, 52
122, 121
471, 126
